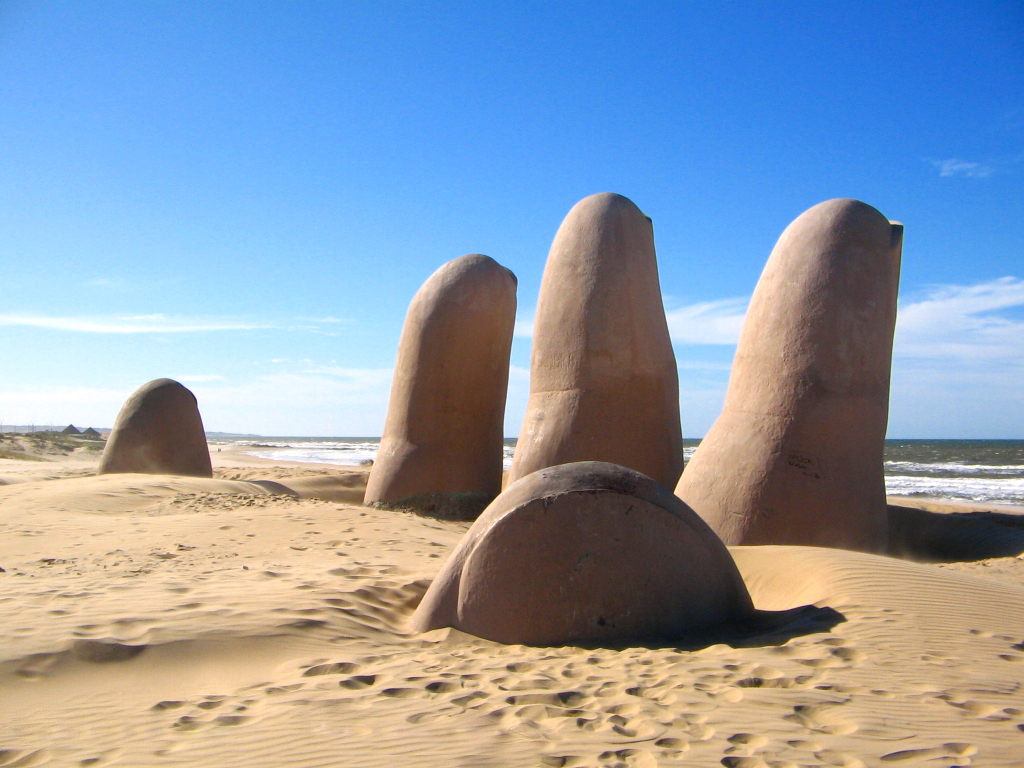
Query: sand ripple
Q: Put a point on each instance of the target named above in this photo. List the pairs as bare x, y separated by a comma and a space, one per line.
170, 621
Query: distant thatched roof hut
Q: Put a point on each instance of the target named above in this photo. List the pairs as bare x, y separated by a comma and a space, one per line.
71, 429
91, 433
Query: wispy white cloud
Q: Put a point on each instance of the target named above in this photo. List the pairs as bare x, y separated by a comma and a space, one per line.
200, 378
128, 324
350, 376
318, 400
952, 321
959, 360
328, 319
955, 167
524, 323
964, 322
89, 406
968, 322
518, 397
702, 365
310, 400
158, 323
707, 322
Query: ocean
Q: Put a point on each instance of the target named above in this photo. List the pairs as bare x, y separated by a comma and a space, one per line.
990, 471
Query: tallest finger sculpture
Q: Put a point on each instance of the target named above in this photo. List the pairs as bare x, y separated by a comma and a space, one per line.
603, 379
796, 455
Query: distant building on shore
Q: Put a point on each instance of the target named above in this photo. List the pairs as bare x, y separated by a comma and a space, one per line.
92, 434
71, 429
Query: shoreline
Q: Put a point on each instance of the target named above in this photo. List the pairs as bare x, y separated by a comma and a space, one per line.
226, 456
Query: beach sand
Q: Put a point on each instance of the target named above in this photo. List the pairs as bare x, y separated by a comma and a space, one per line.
258, 619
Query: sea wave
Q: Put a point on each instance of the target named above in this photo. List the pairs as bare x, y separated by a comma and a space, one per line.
957, 473
980, 489
954, 468
343, 457
340, 453
344, 453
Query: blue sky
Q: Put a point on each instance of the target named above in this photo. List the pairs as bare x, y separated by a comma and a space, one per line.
245, 196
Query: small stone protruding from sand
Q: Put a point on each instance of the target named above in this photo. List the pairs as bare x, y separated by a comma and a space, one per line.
603, 378
586, 552
158, 431
441, 450
796, 455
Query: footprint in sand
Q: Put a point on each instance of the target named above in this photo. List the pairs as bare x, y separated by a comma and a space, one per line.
470, 700
805, 746
727, 694
441, 686
357, 682
334, 668
837, 657
841, 759
744, 762
820, 718
231, 719
169, 704
101, 652
103, 758
563, 699
187, 723
561, 761
977, 708
635, 758
278, 689
747, 740
953, 749
800, 681
400, 693
672, 747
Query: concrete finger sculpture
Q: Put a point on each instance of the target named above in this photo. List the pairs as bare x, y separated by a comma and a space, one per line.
158, 431
796, 455
603, 379
442, 444
586, 552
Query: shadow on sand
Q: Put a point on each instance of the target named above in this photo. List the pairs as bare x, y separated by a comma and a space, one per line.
934, 537
765, 628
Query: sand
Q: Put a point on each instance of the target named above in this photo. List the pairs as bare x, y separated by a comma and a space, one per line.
259, 619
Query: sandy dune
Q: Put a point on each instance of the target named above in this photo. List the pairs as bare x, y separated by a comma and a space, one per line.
156, 620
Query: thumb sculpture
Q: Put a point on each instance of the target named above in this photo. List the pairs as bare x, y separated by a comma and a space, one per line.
586, 552
603, 379
441, 450
158, 431
796, 455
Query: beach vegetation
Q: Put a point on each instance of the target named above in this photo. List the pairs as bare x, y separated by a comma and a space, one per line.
44, 446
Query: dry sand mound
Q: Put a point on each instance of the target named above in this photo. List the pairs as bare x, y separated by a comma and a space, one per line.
239, 628
152, 620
